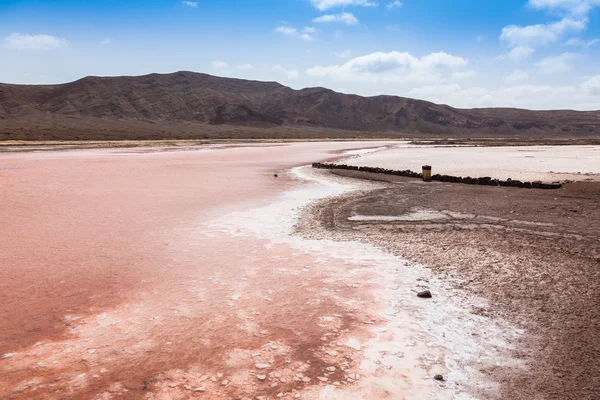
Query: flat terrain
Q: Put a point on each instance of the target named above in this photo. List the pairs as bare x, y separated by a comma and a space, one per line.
525, 163
17, 146
180, 271
533, 254
160, 273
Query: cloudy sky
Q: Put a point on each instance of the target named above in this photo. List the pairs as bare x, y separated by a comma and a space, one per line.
538, 54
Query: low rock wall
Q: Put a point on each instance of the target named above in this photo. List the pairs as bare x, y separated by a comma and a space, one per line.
488, 181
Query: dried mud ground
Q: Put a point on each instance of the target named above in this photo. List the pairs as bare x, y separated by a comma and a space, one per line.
533, 254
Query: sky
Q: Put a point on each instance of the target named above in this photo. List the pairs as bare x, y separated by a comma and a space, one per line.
537, 54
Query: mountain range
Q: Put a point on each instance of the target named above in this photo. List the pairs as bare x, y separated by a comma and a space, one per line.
195, 105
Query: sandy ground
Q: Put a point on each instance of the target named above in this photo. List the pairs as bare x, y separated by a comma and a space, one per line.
144, 273
525, 163
533, 255
17, 146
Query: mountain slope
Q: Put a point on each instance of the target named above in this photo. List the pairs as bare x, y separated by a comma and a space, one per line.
186, 104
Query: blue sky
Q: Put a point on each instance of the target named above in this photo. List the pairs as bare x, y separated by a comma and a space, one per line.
537, 54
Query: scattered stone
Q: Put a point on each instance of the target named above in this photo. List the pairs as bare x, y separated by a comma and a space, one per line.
262, 366
306, 379
330, 369
261, 377
438, 377
426, 294
322, 378
297, 396
200, 389
225, 382
279, 394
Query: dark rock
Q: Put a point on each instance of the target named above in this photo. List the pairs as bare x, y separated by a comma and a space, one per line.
426, 294
275, 175
439, 377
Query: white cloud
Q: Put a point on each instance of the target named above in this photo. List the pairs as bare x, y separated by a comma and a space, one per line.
392, 67
556, 64
516, 76
577, 42
394, 4
592, 85
286, 30
520, 53
219, 64
105, 41
435, 92
290, 73
290, 31
323, 5
34, 42
343, 54
462, 75
540, 97
574, 7
192, 4
245, 67
542, 33
347, 18
309, 29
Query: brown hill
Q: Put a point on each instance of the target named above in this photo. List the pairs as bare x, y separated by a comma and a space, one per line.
193, 105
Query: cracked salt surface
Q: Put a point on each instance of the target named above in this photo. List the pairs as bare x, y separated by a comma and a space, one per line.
420, 214
431, 336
